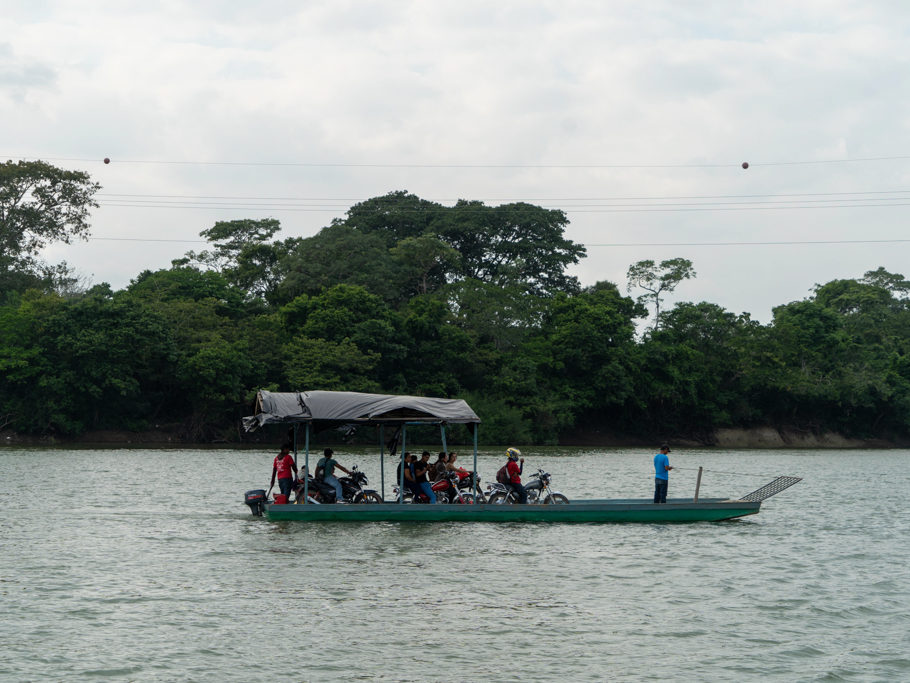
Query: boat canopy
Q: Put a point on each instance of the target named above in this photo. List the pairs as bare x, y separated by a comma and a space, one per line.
334, 408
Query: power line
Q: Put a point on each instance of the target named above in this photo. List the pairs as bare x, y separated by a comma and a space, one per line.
658, 203
515, 165
743, 244
513, 198
620, 208
610, 244
144, 239
735, 208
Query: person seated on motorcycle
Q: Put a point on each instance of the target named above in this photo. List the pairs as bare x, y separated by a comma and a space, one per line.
514, 468
410, 481
438, 469
452, 467
325, 469
420, 475
298, 484
315, 488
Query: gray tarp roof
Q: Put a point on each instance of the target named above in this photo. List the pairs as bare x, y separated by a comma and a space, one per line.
349, 407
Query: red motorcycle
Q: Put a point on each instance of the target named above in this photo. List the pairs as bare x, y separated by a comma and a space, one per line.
466, 485
448, 490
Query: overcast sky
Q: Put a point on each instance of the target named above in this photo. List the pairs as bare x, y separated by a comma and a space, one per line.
633, 117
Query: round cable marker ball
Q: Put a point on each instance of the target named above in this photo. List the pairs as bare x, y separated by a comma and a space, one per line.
745, 164
107, 161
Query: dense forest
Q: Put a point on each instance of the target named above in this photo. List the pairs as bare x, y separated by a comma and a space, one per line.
404, 295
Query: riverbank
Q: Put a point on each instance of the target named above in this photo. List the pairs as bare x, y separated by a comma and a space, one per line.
727, 438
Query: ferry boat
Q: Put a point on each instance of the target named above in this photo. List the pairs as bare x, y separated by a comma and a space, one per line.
317, 410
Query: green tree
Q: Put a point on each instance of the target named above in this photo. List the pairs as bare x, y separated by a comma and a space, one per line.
215, 377
186, 283
225, 346
691, 369
500, 316
582, 357
245, 255
438, 353
512, 245
39, 204
23, 362
868, 312
346, 314
399, 246
319, 364
423, 263
393, 217
657, 280
92, 362
893, 282
795, 377
871, 380
340, 254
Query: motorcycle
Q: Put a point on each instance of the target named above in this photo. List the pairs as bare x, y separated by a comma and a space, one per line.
352, 490
466, 480
538, 490
448, 490
457, 487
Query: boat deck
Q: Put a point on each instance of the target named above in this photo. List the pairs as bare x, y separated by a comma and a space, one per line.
582, 511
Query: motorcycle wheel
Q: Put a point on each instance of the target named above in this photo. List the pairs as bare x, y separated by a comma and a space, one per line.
368, 497
556, 499
497, 498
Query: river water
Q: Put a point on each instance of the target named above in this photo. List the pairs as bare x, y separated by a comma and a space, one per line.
144, 565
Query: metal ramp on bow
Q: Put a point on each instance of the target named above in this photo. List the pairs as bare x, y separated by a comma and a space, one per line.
773, 488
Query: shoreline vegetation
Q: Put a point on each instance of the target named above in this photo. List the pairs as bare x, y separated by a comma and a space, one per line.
758, 438
408, 296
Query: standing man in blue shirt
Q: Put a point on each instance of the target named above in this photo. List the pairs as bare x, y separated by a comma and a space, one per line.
661, 474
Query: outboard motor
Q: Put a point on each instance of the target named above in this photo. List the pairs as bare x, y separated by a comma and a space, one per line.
256, 500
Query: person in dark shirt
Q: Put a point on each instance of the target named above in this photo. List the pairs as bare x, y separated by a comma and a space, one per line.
410, 480
438, 469
420, 476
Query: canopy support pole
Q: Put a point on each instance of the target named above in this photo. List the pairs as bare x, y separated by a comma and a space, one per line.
475, 461
295, 445
382, 459
306, 478
404, 434
442, 428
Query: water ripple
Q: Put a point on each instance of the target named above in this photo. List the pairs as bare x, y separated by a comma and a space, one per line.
136, 587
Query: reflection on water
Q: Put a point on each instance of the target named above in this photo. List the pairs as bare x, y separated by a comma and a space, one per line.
144, 565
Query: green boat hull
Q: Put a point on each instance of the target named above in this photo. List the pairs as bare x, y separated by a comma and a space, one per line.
583, 511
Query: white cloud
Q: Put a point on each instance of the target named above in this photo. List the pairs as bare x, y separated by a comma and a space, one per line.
543, 83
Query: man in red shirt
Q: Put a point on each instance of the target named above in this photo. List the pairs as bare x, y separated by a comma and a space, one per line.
514, 468
285, 469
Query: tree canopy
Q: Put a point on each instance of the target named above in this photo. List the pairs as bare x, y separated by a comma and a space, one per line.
657, 280
39, 204
405, 295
